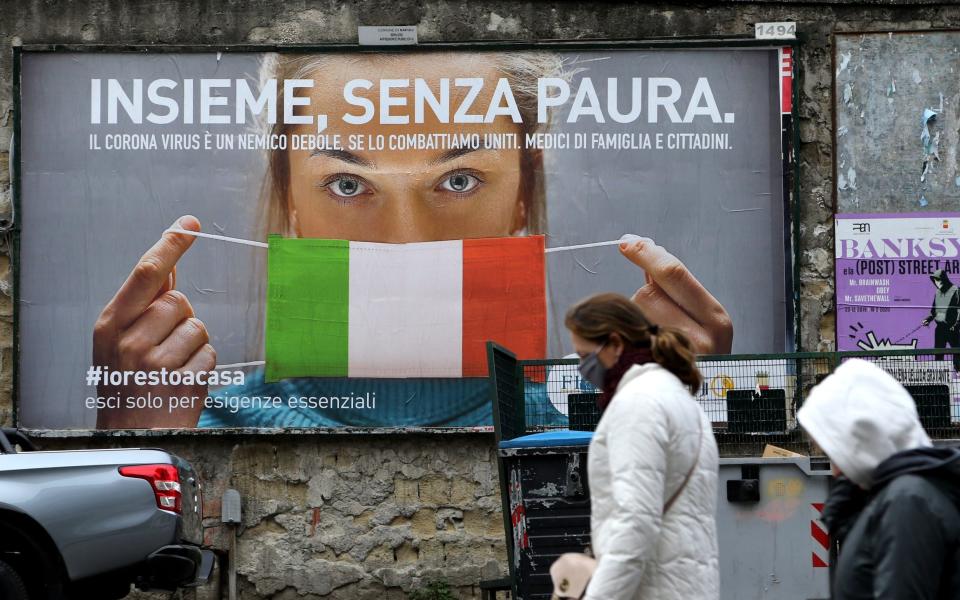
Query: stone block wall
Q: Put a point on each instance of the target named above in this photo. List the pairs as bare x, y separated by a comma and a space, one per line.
347, 517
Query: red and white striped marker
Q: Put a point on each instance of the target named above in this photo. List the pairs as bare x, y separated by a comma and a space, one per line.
785, 56
821, 541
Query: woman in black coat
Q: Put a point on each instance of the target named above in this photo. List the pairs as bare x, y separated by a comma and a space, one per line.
895, 509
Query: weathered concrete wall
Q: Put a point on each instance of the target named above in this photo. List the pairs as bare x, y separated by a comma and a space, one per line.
370, 517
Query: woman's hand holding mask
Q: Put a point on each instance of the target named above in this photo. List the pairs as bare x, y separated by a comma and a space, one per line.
149, 326
673, 297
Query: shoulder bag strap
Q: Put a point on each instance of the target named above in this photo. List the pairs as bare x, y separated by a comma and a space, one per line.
696, 461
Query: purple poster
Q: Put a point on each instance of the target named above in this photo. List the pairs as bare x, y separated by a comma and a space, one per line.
897, 277
897, 281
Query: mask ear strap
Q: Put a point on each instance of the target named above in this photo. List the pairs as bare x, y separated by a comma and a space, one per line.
603, 345
222, 238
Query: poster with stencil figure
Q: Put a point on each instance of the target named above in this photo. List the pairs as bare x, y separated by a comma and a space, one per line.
897, 281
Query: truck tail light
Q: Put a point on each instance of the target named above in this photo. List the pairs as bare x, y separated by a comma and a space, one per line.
165, 481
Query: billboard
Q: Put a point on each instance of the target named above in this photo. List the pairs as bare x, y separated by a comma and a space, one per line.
325, 239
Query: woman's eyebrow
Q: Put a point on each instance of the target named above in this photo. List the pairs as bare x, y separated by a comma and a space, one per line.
458, 152
347, 157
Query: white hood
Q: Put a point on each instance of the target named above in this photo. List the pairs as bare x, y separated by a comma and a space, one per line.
860, 416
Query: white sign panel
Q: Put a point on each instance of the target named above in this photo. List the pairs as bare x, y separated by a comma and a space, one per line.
400, 35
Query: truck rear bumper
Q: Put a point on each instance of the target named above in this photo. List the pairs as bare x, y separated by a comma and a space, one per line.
176, 566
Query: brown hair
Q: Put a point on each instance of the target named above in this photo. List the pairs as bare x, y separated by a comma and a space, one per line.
597, 317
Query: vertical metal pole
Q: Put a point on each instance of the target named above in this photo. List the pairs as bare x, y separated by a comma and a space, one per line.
232, 564
230, 516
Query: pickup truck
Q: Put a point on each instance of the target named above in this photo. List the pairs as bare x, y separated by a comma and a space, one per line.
77, 524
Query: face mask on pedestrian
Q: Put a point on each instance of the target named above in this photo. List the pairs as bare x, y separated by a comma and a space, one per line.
592, 369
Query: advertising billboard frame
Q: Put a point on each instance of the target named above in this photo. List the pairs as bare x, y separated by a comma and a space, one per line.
789, 157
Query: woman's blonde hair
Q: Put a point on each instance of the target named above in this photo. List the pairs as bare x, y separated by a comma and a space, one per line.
521, 69
598, 317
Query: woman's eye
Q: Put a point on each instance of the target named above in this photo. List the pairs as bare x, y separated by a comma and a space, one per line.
460, 183
347, 187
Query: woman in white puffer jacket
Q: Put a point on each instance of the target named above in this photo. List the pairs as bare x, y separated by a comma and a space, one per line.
653, 460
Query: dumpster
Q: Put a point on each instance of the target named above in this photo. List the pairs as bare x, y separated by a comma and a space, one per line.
548, 504
771, 540
772, 543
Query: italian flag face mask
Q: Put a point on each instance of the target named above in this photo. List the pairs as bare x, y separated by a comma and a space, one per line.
359, 309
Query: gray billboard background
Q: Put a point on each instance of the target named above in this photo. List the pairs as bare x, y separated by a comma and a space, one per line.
86, 216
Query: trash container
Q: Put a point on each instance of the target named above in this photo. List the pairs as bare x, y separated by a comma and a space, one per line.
548, 499
772, 542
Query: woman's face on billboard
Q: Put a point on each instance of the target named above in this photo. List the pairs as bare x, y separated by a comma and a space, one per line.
409, 195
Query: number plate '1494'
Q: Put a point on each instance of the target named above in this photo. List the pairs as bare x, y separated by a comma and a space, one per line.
776, 31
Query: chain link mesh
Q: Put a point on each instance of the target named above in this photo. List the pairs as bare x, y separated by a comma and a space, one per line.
752, 400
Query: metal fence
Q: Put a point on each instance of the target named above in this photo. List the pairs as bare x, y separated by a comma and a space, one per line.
752, 400
933, 379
